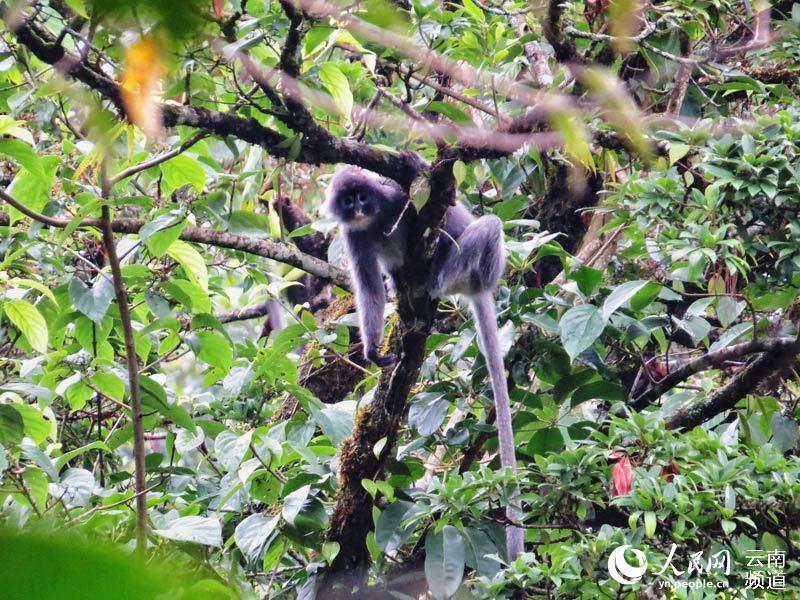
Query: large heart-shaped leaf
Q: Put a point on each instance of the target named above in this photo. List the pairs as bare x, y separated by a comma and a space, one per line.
92, 301
579, 327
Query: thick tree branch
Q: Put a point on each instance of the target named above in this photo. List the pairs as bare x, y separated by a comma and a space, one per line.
745, 381
712, 360
402, 167
563, 47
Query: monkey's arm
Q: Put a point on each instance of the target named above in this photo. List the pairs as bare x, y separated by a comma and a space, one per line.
370, 298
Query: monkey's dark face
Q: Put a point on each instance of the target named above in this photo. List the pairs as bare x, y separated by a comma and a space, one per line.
361, 200
356, 209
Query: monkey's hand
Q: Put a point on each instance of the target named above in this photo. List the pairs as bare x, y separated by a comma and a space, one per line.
382, 360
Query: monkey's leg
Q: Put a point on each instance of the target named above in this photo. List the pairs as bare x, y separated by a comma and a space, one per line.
475, 262
370, 301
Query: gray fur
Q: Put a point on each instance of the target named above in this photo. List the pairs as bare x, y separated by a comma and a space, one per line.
375, 217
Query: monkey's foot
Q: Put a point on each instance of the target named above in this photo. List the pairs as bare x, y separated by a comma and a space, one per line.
385, 360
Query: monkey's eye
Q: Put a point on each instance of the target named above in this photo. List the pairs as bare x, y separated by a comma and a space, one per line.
347, 201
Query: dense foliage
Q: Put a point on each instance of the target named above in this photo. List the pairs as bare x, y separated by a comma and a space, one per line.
163, 261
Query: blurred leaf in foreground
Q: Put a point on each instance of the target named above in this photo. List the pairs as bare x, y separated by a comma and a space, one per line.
64, 567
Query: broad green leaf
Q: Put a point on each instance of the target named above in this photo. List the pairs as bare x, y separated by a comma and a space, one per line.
579, 327
473, 11
185, 440
294, 503
32, 284
459, 172
330, 550
12, 428
545, 441
215, 349
728, 310
11, 126
30, 322
599, 390
444, 561
784, 432
161, 232
620, 295
199, 530
338, 86
36, 482
79, 7
37, 425
192, 262
33, 189
427, 412
587, 279
253, 534
78, 394
180, 170
452, 112
155, 398
109, 384
479, 548
24, 155
92, 301
337, 420
677, 152
68, 456
56, 564
771, 542
390, 533
575, 137
189, 294
231, 448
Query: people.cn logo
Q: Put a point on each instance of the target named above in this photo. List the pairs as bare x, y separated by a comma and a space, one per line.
624, 572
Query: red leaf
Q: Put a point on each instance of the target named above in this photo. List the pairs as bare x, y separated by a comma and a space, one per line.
621, 475
668, 472
219, 8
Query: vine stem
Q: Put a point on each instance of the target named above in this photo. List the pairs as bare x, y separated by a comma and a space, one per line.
133, 371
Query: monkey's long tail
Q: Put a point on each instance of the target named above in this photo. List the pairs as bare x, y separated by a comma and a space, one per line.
486, 322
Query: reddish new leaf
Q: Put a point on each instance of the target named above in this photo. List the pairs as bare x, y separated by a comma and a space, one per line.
621, 474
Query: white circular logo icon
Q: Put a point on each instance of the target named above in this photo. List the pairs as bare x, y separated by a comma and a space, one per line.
621, 570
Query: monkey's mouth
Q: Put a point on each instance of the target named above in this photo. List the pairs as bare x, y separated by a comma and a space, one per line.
359, 221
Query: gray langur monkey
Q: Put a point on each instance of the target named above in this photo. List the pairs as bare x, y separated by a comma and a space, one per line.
375, 217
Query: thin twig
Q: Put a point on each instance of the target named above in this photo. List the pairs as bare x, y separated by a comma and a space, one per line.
133, 369
157, 160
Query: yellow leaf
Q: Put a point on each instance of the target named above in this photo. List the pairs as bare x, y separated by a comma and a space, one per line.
140, 82
618, 107
626, 19
576, 139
